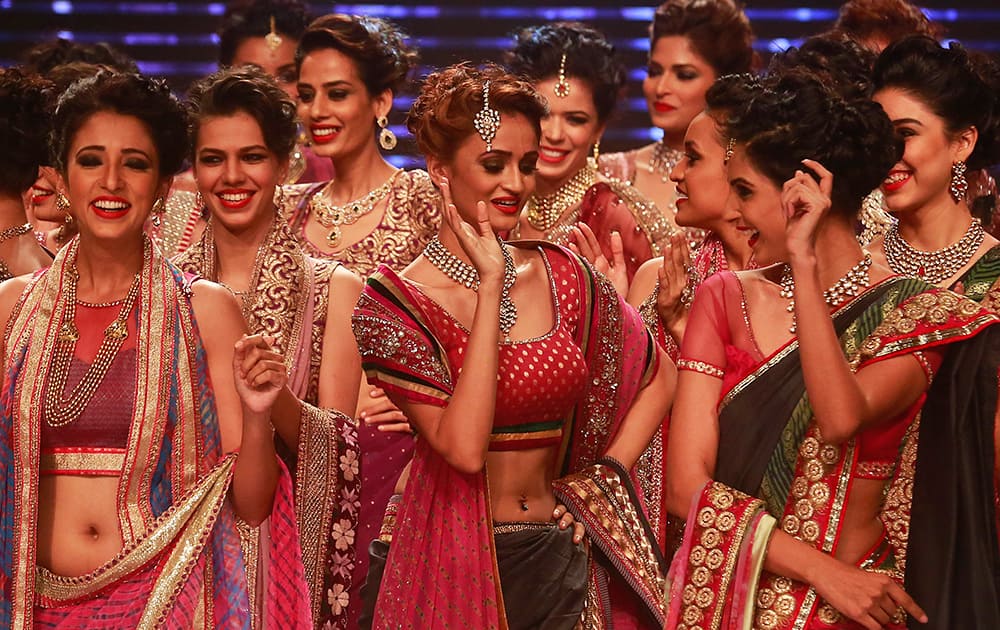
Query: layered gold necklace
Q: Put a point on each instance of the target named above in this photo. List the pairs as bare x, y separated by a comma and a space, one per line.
544, 211
333, 216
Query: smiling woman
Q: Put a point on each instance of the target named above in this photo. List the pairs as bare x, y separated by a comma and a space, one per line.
242, 128
136, 413
575, 68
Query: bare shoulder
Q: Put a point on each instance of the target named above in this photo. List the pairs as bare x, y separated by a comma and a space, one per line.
215, 308
345, 284
645, 279
10, 293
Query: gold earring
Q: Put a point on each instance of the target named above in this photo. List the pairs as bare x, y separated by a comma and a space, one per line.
62, 202
594, 160
158, 209
386, 139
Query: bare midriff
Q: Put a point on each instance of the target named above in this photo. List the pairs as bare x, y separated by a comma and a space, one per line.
78, 528
862, 527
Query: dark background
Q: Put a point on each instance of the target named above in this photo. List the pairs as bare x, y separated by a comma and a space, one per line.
177, 39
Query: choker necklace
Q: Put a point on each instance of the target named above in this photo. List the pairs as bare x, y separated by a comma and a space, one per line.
544, 212
933, 266
332, 217
663, 160
849, 285
466, 275
61, 410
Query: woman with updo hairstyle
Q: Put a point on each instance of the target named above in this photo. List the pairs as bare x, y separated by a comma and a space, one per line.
577, 71
945, 105
136, 408
242, 129
804, 387
265, 34
25, 108
371, 213
519, 359
691, 43
350, 68
875, 24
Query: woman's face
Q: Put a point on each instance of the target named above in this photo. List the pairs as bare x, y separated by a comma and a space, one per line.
236, 172
335, 106
568, 132
923, 176
675, 85
278, 62
701, 176
42, 196
758, 200
112, 176
503, 178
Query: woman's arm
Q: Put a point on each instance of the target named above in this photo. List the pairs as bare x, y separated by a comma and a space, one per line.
844, 403
648, 411
694, 439
10, 293
340, 369
235, 360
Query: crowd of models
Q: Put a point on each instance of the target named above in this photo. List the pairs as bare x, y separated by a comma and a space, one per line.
255, 376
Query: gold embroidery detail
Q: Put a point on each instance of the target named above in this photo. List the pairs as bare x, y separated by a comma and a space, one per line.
790, 524
814, 470
809, 448
714, 559
803, 509
810, 531
725, 521
800, 488
895, 514
828, 614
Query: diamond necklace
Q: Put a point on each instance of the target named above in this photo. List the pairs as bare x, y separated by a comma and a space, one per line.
663, 160
466, 275
333, 216
933, 266
849, 285
544, 211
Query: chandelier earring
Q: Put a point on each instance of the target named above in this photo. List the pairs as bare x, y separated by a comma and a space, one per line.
386, 139
199, 201
157, 210
62, 202
730, 148
595, 158
959, 185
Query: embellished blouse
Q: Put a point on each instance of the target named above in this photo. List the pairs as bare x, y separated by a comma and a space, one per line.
95, 443
412, 216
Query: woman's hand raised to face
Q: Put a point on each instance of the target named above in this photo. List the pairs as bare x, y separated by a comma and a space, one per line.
804, 202
478, 242
585, 244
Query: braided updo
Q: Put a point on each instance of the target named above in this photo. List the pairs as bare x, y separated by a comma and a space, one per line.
797, 117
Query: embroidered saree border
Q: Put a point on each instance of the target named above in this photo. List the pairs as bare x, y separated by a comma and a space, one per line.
601, 497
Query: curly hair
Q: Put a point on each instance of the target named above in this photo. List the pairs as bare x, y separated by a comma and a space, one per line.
728, 96
25, 109
248, 90
149, 100
961, 87
796, 116
252, 18
840, 61
43, 58
376, 46
590, 57
718, 30
890, 20
441, 117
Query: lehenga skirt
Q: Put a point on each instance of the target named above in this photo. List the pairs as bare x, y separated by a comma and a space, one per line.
543, 576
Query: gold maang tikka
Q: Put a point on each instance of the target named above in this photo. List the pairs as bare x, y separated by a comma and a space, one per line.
487, 120
562, 85
272, 39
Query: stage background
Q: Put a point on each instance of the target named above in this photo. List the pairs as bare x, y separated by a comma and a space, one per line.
177, 40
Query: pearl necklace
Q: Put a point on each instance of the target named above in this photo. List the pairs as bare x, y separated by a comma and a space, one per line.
933, 266
849, 285
663, 160
466, 275
544, 212
332, 216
